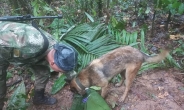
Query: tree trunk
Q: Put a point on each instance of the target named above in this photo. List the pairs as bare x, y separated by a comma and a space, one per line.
100, 6
167, 22
108, 2
153, 24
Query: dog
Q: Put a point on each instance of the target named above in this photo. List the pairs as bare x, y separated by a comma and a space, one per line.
125, 61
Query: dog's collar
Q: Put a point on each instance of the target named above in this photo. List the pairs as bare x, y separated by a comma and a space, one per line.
79, 83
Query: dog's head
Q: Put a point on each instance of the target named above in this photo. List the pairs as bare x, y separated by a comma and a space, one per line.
74, 87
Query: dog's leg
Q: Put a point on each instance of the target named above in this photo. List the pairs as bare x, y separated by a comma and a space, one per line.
131, 72
104, 88
122, 79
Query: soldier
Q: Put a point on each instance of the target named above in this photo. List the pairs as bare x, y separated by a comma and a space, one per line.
24, 45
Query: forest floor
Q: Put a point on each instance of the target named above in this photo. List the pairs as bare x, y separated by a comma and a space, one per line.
152, 90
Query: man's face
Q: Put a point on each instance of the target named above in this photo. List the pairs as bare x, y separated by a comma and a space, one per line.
50, 59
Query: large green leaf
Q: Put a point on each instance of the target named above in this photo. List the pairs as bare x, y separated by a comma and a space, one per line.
90, 17
172, 62
104, 49
96, 101
181, 8
85, 59
83, 34
76, 42
98, 43
18, 99
58, 84
143, 48
86, 31
93, 101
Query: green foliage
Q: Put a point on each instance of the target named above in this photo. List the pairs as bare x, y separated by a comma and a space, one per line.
117, 24
58, 84
57, 27
129, 38
9, 75
179, 51
171, 62
89, 17
94, 100
17, 100
147, 66
143, 8
143, 48
40, 8
181, 88
77, 103
81, 11
174, 6
90, 40
126, 38
95, 88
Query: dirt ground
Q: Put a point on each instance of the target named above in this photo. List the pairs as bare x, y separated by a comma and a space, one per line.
153, 90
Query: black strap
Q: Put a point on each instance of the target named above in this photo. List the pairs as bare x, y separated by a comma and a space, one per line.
79, 83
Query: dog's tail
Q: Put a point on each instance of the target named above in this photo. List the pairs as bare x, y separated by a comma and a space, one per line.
156, 58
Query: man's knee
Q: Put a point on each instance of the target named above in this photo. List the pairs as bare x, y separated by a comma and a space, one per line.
42, 74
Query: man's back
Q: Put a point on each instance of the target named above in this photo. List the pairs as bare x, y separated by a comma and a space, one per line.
23, 40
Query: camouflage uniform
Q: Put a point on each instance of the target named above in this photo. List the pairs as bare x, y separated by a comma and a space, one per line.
19, 45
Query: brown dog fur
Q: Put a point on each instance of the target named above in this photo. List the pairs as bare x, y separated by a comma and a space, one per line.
124, 60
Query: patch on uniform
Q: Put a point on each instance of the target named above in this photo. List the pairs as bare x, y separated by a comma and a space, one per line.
16, 53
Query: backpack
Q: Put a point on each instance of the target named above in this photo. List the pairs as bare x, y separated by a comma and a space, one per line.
24, 42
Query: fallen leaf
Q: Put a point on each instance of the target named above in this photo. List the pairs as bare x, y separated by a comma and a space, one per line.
165, 94
174, 37
160, 88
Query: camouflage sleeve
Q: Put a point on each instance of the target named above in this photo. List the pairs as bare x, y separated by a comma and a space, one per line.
70, 75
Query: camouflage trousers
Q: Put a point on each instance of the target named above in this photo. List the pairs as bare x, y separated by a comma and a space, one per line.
41, 72
3, 67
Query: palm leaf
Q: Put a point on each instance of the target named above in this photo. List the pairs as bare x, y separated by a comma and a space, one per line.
104, 49
90, 40
143, 48
97, 43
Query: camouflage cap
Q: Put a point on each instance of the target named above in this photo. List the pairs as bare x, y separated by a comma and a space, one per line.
65, 57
